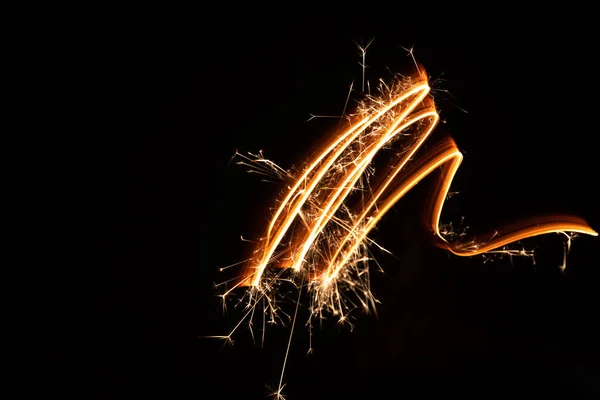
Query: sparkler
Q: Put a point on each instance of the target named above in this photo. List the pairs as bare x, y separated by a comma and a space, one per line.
317, 237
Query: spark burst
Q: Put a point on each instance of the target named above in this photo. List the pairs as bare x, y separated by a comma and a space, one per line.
317, 237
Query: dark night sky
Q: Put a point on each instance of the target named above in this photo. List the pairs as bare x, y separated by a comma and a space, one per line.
157, 207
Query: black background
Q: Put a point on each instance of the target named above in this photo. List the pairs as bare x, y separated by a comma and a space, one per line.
159, 104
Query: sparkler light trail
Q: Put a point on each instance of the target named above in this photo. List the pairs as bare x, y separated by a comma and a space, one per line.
319, 229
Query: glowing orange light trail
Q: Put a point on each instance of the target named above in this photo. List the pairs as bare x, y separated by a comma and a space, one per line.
446, 154
319, 230
410, 108
298, 195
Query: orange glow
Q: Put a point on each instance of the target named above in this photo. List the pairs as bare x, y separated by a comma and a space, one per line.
317, 238
320, 192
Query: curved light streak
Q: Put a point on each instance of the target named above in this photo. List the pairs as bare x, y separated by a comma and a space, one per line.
352, 152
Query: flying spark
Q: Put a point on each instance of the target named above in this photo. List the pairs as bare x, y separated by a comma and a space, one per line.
317, 237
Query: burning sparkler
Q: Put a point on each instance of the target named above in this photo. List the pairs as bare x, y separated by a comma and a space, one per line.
317, 238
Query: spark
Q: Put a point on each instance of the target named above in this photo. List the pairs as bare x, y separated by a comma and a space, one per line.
278, 394
411, 52
313, 116
363, 54
317, 236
